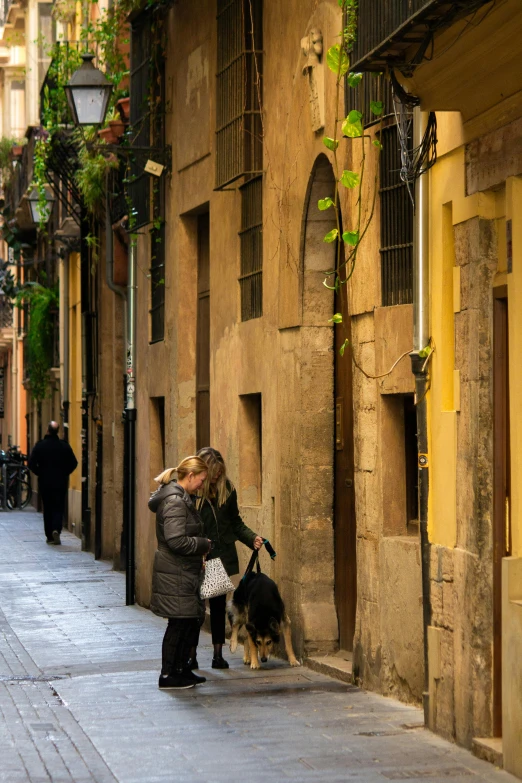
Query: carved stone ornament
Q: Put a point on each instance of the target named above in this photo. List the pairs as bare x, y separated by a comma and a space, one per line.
313, 70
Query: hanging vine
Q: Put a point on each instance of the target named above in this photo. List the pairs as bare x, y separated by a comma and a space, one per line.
43, 306
351, 127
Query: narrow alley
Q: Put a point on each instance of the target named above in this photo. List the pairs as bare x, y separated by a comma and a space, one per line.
80, 703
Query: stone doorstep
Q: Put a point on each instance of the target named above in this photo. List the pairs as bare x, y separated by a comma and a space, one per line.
338, 665
488, 749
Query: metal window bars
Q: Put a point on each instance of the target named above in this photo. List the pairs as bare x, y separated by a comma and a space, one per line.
239, 131
396, 225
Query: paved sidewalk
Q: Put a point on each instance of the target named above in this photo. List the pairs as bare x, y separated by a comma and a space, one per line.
79, 697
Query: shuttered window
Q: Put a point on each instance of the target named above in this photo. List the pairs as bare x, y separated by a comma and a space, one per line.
239, 143
396, 225
251, 236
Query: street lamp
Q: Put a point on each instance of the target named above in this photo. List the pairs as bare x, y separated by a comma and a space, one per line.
88, 92
39, 214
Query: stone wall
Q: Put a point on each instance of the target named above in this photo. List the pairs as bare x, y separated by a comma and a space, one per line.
462, 578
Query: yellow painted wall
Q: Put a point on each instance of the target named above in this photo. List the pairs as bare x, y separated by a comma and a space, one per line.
448, 206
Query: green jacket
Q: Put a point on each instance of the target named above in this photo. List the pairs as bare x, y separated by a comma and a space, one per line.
224, 526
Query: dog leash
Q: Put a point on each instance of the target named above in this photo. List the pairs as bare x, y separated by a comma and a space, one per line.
254, 559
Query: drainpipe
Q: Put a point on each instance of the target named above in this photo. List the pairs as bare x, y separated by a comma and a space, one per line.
130, 425
421, 337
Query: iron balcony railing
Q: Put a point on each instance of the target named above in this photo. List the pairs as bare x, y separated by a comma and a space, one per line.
21, 175
387, 29
6, 313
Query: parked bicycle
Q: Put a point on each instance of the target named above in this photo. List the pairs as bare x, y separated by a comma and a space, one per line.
13, 465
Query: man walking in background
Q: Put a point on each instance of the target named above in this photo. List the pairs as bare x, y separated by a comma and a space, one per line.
52, 460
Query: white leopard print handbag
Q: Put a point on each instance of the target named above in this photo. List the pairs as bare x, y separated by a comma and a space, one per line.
216, 581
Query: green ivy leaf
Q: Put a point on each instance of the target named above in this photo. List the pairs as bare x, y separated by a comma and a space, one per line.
354, 79
376, 107
377, 143
333, 56
352, 126
324, 203
344, 346
351, 237
350, 179
425, 352
331, 235
336, 319
330, 143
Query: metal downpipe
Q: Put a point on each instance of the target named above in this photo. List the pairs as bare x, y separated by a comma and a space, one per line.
130, 427
421, 338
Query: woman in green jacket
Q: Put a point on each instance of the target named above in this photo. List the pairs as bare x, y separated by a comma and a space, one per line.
223, 525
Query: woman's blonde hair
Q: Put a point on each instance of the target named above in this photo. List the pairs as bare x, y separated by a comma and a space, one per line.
221, 488
188, 465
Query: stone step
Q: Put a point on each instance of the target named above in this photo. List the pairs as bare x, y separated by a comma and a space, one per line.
488, 749
338, 665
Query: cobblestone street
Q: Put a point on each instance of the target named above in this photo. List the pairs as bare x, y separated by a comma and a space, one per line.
79, 697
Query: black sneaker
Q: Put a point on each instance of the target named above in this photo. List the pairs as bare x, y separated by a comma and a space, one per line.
175, 682
218, 662
192, 664
49, 541
195, 678
56, 538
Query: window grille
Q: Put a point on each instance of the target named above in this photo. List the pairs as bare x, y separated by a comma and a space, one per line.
239, 144
138, 179
157, 254
251, 237
396, 225
373, 87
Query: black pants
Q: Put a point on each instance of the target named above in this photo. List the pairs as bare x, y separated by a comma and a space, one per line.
53, 507
177, 643
218, 608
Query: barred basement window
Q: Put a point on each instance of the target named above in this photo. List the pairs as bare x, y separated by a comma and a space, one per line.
239, 144
396, 225
251, 237
139, 183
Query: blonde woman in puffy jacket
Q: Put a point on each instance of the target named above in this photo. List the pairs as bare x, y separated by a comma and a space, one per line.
178, 568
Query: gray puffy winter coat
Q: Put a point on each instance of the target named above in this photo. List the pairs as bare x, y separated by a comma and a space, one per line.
178, 562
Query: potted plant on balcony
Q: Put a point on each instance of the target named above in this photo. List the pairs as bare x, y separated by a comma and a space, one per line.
123, 106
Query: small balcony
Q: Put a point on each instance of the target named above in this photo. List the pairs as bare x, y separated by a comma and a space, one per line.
17, 188
6, 322
395, 33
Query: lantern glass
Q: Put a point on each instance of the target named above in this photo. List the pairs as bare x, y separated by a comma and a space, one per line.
39, 213
90, 104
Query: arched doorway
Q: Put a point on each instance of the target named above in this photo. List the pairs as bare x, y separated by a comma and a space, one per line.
318, 306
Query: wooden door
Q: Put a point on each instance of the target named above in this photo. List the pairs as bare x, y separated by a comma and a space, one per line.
344, 500
501, 486
203, 334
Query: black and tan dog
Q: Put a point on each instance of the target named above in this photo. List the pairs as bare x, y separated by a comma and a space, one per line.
258, 606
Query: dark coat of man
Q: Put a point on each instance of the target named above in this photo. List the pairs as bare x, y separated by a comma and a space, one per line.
52, 460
